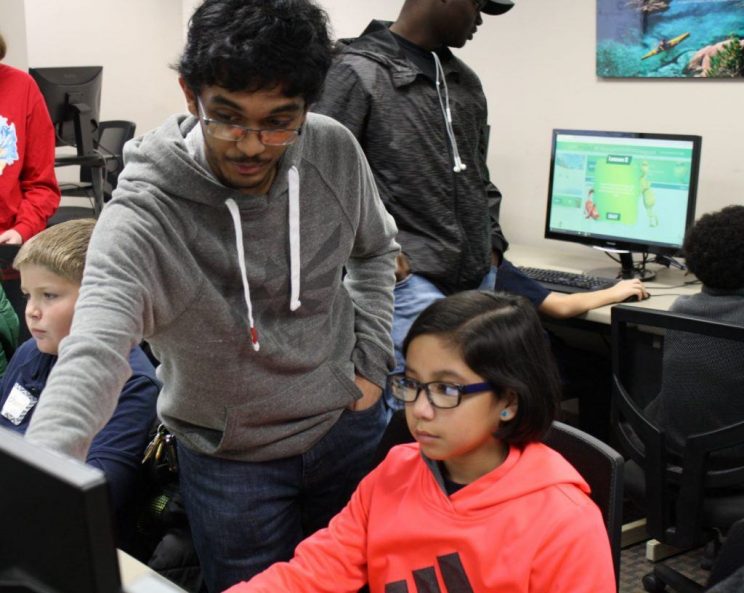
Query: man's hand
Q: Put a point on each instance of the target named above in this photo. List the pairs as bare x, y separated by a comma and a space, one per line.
370, 394
11, 237
402, 267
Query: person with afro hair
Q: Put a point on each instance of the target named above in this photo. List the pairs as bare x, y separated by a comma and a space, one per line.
714, 249
702, 376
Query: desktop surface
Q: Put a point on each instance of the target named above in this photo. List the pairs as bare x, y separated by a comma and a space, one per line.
664, 289
137, 577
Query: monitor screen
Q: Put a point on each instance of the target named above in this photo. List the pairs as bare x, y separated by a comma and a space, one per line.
73, 97
57, 531
625, 191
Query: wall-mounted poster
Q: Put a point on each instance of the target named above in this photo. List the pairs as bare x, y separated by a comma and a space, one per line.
670, 38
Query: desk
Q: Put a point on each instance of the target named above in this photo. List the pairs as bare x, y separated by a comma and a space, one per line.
139, 578
664, 289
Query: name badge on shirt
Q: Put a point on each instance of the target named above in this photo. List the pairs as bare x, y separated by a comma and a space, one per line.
19, 403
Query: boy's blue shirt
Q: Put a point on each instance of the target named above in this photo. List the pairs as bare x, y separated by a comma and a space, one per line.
117, 450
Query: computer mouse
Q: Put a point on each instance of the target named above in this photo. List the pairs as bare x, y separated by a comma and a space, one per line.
633, 298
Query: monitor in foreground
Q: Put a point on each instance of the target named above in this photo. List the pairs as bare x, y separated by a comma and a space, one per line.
57, 530
623, 191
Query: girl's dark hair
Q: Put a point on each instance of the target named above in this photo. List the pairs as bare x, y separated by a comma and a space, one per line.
714, 248
501, 339
249, 45
3, 46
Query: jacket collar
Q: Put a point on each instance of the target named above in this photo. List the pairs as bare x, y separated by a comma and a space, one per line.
377, 43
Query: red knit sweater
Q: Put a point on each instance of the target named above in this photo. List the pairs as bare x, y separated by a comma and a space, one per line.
29, 193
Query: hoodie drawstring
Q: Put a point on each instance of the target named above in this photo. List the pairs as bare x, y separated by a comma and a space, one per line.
293, 177
237, 225
444, 104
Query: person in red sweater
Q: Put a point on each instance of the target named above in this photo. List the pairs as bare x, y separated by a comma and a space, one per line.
478, 503
29, 193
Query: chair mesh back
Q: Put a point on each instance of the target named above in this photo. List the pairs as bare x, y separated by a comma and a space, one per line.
702, 387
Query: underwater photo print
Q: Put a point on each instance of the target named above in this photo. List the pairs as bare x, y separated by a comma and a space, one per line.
670, 38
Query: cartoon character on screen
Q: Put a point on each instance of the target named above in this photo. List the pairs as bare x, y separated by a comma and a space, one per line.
649, 199
590, 207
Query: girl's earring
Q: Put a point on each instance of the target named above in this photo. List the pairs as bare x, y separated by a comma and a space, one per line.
504, 414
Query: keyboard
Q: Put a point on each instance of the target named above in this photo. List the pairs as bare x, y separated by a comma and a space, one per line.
560, 281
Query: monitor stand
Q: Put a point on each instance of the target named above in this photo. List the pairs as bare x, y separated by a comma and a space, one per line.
83, 134
627, 271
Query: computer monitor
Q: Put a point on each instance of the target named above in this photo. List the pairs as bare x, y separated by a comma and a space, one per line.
56, 533
623, 191
73, 97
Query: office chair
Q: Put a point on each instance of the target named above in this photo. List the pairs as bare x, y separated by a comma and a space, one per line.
729, 561
599, 464
602, 468
689, 494
110, 139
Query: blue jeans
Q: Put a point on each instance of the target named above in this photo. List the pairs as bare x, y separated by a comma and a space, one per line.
412, 295
245, 516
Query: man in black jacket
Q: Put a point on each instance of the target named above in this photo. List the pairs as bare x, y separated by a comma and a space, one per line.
420, 115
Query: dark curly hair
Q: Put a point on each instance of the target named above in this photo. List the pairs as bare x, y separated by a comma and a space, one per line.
501, 339
249, 45
714, 248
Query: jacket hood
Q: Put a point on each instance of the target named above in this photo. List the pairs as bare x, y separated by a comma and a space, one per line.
537, 467
378, 44
162, 158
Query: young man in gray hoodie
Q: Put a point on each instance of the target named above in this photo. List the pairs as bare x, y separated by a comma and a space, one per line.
248, 245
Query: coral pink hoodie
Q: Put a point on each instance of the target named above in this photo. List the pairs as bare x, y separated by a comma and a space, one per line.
527, 526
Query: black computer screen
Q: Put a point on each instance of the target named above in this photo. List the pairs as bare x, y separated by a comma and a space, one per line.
56, 533
73, 97
627, 191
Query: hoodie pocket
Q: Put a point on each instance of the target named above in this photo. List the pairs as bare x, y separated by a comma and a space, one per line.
292, 418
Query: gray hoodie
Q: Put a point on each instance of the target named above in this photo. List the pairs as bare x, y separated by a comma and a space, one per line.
163, 265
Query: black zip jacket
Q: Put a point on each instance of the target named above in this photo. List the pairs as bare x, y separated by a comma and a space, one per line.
447, 221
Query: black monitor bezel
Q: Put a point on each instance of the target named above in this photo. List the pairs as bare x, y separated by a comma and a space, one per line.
45, 495
611, 243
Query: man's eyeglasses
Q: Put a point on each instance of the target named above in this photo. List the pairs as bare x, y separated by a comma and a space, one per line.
440, 394
235, 133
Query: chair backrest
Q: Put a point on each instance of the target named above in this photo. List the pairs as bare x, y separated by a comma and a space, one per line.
602, 468
685, 488
599, 464
110, 139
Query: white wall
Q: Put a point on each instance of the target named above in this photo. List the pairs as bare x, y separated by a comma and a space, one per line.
536, 63
13, 28
134, 40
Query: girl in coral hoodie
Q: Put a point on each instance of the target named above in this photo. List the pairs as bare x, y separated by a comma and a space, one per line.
478, 503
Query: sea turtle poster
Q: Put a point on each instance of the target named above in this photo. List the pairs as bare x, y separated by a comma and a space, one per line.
670, 38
